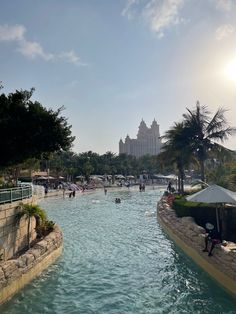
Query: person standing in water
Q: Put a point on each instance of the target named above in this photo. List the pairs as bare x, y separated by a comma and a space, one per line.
169, 187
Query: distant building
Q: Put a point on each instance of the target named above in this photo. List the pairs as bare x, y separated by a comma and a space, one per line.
147, 143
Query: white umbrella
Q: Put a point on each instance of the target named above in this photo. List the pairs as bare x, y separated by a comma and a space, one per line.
130, 177
214, 194
41, 178
95, 178
159, 176
199, 182
171, 177
119, 176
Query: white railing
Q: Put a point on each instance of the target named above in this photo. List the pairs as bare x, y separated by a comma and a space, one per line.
15, 194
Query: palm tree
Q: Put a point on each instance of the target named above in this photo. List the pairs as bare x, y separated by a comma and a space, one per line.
176, 150
204, 132
31, 210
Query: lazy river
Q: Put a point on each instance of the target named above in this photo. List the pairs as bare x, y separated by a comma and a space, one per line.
117, 260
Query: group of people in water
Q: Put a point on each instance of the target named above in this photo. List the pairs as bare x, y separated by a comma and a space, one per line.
141, 187
72, 193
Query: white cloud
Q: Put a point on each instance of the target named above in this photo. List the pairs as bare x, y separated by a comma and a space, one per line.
12, 33
224, 31
127, 11
159, 14
223, 5
33, 49
163, 14
71, 57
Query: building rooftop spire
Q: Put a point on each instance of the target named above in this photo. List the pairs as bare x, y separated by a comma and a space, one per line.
147, 143
154, 124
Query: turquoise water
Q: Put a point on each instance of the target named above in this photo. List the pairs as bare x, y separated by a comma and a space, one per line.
117, 259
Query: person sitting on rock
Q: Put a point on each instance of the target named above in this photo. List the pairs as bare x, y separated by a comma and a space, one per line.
214, 237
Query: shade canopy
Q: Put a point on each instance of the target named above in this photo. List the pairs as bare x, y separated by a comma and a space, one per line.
96, 178
171, 177
41, 178
159, 176
213, 194
119, 176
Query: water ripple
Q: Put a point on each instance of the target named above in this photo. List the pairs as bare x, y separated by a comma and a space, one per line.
117, 259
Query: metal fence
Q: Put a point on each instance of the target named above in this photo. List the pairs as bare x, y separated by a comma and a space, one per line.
15, 194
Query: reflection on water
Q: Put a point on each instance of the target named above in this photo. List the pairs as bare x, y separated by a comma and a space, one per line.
117, 259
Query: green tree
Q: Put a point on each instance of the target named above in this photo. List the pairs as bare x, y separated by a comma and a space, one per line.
204, 131
69, 163
87, 170
63, 164
224, 175
28, 129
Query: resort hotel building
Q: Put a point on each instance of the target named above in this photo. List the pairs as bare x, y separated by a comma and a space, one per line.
147, 143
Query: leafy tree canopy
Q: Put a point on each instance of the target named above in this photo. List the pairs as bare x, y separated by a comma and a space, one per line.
28, 129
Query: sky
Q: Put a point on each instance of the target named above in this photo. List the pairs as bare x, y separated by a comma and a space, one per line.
112, 63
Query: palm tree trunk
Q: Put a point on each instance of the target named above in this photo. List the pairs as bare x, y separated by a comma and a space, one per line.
182, 182
178, 181
202, 169
16, 171
181, 176
28, 233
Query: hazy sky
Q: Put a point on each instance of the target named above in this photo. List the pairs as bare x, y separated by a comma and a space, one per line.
113, 62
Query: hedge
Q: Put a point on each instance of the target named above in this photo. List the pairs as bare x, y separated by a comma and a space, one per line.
201, 212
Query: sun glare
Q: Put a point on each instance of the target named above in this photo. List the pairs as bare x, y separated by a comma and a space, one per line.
230, 70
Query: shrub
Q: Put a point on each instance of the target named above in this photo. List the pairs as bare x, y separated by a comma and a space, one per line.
44, 228
201, 212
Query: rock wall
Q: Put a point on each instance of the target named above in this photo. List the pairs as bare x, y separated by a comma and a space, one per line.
190, 237
16, 273
13, 233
